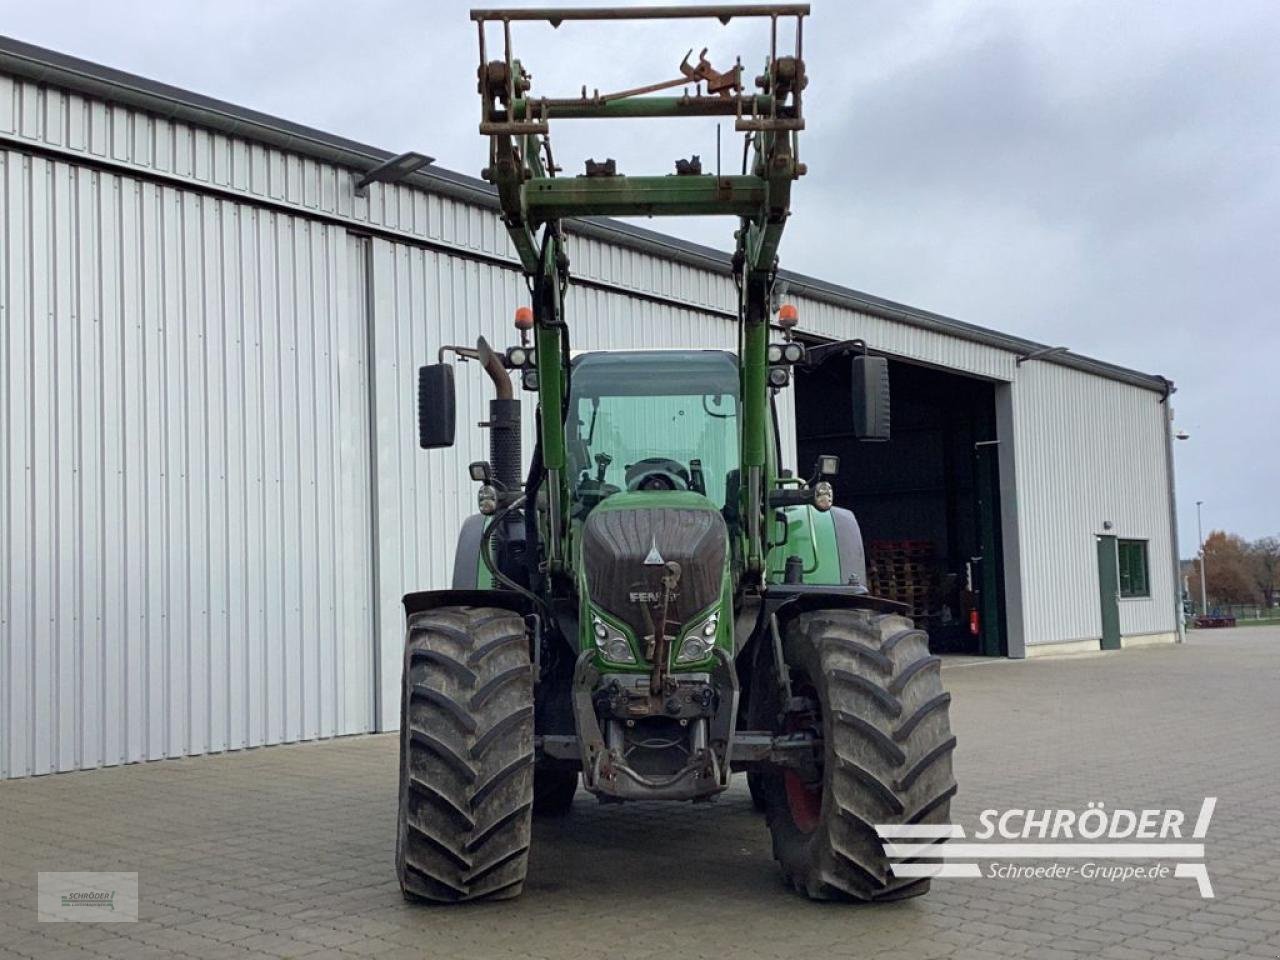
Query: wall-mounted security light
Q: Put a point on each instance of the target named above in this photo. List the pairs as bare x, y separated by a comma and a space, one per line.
392, 171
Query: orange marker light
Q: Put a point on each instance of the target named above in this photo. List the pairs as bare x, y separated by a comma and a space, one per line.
524, 318
788, 315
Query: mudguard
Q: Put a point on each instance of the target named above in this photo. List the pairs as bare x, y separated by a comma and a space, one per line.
430, 599
853, 559
466, 558
787, 600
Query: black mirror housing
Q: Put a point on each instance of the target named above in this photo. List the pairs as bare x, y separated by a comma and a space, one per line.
870, 397
437, 406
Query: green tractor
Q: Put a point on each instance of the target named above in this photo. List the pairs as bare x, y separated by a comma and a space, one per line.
653, 603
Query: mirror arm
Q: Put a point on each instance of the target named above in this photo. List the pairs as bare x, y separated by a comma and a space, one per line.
464, 353
816, 356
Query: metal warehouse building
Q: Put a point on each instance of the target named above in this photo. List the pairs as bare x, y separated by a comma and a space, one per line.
210, 492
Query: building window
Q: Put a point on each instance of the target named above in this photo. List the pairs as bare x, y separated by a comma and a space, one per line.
1134, 581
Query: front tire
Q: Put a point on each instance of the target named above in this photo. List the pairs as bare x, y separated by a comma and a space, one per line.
466, 756
887, 748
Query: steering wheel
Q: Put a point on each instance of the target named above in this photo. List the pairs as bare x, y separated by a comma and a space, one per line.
657, 473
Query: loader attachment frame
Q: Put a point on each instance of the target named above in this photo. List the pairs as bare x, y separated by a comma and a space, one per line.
535, 201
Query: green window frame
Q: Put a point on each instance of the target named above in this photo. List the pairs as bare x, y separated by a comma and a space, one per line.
1134, 578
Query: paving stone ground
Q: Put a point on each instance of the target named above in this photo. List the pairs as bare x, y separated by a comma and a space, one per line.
287, 851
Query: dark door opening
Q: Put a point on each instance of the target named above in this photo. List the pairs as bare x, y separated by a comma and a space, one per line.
927, 500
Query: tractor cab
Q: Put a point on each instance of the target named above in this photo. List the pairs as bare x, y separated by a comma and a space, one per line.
654, 422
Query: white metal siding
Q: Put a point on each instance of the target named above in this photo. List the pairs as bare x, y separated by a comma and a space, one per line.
115, 135
906, 342
1088, 451
185, 546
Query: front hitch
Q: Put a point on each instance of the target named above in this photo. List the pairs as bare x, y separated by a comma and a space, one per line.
607, 770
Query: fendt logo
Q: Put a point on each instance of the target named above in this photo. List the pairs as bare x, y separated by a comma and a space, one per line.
651, 596
1110, 837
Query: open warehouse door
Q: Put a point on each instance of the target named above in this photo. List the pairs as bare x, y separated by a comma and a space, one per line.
927, 500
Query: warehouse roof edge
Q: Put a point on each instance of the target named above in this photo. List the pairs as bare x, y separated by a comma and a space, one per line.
46, 66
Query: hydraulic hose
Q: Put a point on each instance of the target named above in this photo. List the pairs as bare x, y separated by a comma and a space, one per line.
486, 555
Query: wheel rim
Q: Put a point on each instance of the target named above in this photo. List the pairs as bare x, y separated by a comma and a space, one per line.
804, 800
804, 797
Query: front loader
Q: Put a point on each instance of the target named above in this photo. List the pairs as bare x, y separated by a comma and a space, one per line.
652, 603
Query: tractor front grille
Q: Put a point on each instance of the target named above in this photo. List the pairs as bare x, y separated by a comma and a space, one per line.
626, 552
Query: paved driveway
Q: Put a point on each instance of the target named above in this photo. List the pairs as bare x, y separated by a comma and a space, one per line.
287, 851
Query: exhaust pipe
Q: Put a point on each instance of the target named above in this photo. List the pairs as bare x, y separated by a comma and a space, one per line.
504, 421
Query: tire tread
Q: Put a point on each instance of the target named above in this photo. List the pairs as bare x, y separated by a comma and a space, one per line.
466, 756
871, 672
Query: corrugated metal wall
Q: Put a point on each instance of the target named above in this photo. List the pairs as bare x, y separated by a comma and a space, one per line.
115, 136
186, 546
209, 351
908, 343
1089, 451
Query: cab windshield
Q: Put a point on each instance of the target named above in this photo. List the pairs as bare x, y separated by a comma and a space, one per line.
652, 421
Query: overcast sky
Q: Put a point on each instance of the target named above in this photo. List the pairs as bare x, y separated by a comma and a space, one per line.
1103, 175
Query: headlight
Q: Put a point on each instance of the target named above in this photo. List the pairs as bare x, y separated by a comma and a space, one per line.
611, 643
793, 352
517, 357
487, 500
774, 353
699, 641
779, 377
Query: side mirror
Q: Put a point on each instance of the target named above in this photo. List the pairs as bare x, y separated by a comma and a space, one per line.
870, 397
437, 413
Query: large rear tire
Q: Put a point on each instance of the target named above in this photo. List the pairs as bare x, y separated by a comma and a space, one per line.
466, 756
887, 748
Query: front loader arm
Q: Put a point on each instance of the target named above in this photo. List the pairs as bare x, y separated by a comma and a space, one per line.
551, 344
534, 201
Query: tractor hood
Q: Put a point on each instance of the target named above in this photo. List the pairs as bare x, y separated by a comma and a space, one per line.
628, 542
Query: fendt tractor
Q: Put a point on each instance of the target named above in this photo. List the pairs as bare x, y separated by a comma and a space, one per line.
653, 603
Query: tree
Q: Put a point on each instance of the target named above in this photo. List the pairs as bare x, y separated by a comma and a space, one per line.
1264, 565
1228, 569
